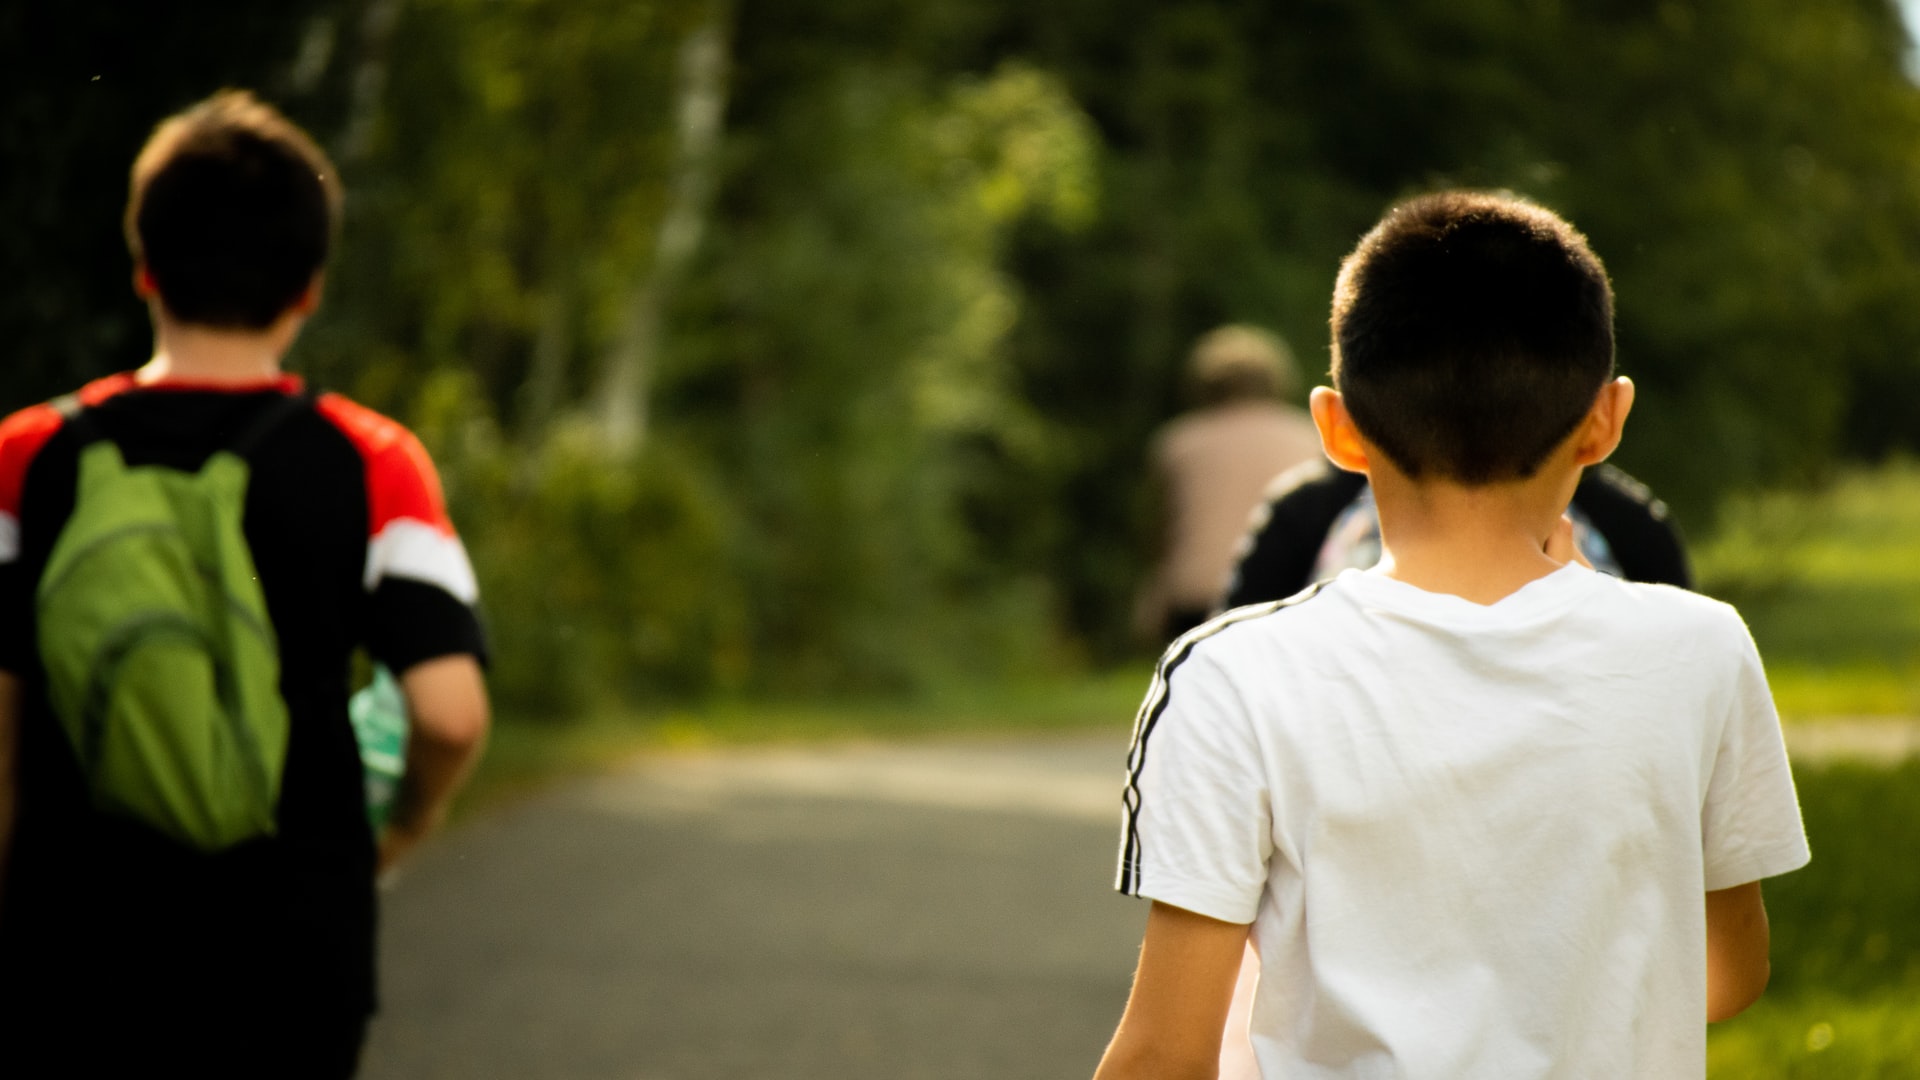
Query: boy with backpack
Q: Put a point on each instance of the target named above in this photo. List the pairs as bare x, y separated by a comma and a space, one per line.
189, 555
1481, 811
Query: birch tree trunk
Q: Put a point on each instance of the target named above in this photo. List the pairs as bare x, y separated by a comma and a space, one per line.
369, 79
552, 348
700, 104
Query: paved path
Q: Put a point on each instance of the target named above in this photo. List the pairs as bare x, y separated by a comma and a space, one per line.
1874, 739
935, 911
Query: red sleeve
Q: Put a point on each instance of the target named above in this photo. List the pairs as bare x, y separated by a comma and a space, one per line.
409, 535
21, 437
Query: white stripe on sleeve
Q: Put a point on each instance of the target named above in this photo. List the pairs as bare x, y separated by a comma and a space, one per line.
412, 549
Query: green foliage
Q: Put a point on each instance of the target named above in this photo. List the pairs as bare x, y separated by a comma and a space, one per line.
510, 197
603, 586
833, 368
849, 396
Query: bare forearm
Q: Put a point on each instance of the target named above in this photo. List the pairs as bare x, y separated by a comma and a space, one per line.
436, 771
1138, 1059
447, 729
1737, 945
1172, 1025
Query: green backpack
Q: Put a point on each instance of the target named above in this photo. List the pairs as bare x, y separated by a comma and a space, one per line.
161, 663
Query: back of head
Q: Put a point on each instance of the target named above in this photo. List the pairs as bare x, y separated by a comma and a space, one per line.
1471, 333
232, 209
1239, 362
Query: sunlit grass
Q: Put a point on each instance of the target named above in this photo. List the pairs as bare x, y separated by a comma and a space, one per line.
1829, 581
1845, 996
1821, 1037
1812, 692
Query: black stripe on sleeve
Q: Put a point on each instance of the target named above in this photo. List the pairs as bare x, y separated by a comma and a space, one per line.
1158, 695
1286, 534
410, 621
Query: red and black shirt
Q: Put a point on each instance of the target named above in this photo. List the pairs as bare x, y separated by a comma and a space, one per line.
350, 537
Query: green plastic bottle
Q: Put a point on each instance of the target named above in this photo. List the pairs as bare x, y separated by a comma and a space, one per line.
379, 715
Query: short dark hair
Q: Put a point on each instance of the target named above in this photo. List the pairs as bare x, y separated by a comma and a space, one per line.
1471, 333
232, 209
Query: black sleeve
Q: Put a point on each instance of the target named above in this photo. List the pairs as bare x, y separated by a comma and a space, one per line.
1636, 526
16, 620
1287, 533
411, 621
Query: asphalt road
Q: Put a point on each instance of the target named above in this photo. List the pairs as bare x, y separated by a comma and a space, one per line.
932, 911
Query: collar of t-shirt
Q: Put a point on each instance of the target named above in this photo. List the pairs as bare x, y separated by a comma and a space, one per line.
1537, 600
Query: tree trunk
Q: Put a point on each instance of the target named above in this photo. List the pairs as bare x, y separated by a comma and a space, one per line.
369, 79
700, 104
552, 349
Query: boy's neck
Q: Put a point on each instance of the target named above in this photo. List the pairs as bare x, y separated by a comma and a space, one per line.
197, 353
1481, 543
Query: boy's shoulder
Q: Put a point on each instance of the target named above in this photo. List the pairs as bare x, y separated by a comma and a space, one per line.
1242, 634
1340, 615
373, 433
1667, 610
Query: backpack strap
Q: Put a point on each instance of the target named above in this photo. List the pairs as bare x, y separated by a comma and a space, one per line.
73, 413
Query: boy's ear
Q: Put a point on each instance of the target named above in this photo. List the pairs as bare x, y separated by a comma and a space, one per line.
144, 286
1599, 434
1338, 435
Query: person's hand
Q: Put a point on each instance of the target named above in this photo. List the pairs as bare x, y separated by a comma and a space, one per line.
396, 843
1560, 545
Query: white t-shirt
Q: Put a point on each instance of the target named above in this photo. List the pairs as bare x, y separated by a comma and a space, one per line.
1473, 841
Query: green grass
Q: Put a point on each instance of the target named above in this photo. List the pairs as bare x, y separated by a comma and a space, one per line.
1820, 1037
1845, 996
1829, 581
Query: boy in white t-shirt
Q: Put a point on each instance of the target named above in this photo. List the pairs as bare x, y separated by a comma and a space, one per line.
1480, 811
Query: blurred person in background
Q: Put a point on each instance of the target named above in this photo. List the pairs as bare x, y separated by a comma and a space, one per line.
190, 553
1210, 467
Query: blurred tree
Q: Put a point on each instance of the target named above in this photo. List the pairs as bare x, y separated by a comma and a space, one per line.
843, 355
526, 278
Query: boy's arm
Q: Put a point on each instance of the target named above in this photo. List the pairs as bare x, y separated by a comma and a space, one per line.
1181, 992
448, 718
1737, 939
